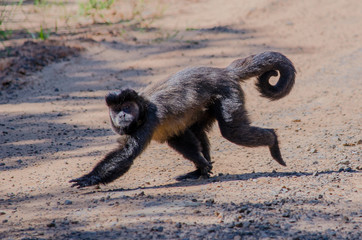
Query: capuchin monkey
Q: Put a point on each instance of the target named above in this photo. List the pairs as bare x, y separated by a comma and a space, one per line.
181, 110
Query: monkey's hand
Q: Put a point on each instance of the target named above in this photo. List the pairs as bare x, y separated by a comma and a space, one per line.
85, 181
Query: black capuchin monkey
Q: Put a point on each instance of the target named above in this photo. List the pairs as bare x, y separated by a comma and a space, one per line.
182, 109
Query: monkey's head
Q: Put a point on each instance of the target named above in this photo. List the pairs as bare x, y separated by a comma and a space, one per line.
126, 110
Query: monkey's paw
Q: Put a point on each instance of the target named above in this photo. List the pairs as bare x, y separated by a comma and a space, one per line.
85, 181
197, 174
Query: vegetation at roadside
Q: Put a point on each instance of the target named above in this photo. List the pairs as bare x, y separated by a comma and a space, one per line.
6, 11
42, 34
133, 14
93, 8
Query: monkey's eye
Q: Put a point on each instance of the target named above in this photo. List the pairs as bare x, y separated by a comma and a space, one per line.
126, 109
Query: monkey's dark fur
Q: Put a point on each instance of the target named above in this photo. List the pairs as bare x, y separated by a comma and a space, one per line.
182, 109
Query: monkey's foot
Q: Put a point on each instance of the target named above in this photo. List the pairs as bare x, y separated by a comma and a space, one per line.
85, 181
275, 152
197, 174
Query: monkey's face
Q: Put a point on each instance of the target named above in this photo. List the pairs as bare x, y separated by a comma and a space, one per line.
123, 116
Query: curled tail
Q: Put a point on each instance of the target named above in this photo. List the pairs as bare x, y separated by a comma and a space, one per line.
264, 66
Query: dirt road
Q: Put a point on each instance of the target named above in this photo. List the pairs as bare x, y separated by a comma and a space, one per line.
55, 128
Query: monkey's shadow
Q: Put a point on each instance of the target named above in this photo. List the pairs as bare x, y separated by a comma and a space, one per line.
231, 177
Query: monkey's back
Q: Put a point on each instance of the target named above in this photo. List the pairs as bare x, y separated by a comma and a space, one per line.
185, 97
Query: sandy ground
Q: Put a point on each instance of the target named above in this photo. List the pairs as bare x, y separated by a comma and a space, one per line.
55, 128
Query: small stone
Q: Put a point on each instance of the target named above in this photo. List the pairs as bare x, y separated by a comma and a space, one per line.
331, 232
343, 162
246, 224
22, 71
68, 202
243, 209
239, 225
237, 237
210, 201
178, 225
264, 227
286, 214
287, 226
157, 229
52, 224
231, 225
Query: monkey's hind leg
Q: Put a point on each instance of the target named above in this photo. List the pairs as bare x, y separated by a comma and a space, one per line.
200, 134
250, 136
237, 129
190, 147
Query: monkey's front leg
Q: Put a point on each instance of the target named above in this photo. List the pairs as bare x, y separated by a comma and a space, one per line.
114, 165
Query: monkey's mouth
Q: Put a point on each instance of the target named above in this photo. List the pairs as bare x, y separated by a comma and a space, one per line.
123, 123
